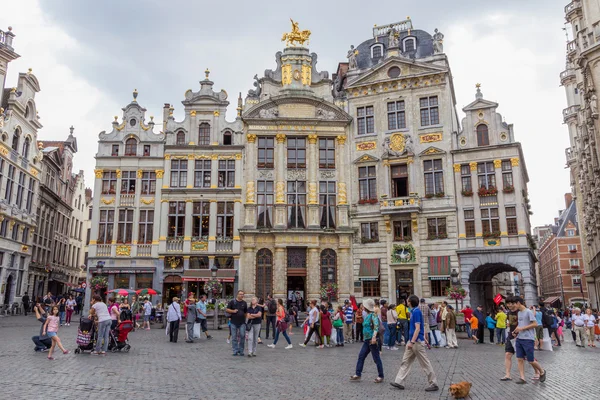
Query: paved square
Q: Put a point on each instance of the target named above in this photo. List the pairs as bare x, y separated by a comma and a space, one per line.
157, 369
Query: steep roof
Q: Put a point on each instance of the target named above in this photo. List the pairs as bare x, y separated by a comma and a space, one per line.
568, 218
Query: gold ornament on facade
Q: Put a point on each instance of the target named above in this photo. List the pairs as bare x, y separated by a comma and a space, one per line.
250, 192
473, 166
343, 199
159, 173
456, 167
238, 156
214, 156
296, 36
497, 163
280, 193
216, 113
199, 246
280, 137
514, 162
118, 173
173, 262
147, 201
251, 138
121, 127
312, 193
108, 201
430, 138
98, 173
140, 173
193, 113
123, 251
167, 156
398, 142
312, 139
286, 74
24, 248
364, 146
341, 139
306, 74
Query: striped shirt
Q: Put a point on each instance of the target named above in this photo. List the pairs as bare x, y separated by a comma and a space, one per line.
349, 313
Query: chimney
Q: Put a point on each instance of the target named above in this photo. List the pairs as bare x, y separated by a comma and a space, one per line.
568, 199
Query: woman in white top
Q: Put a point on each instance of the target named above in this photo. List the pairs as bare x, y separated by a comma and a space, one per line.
71, 303
173, 318
589, 321
100, 311
392, 319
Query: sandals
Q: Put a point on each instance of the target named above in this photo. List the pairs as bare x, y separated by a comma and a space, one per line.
521, 382
355, 378
51, 358
506, 378
66, 352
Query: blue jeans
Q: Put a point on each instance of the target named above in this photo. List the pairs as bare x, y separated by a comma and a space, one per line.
285, 335
386, 333
468, 326
61, 315
238, 337
103, 332
367, 348
403, 331
340, 335
41, 344
391, 335
500, 336
433, 329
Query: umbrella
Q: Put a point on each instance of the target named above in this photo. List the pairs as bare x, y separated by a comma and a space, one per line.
144, 292
122, 292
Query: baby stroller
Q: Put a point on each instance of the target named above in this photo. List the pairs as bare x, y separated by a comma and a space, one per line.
86, 335
118, 337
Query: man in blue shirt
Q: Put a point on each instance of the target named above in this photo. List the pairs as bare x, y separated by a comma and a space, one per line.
201, 306
415, 348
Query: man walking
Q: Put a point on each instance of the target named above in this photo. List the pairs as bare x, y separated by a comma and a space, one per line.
509, 350
525, 334
481, 323
415, 348
191, 315
349, 320
468, 313
271, 311
25, 300
147, 313
426, 312
201, 308
578, 323
238, 310
451, 328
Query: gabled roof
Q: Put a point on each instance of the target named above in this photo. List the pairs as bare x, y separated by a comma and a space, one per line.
431, 150
479, 103
568, 219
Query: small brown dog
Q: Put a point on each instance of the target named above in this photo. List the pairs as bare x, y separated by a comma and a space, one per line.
460, 390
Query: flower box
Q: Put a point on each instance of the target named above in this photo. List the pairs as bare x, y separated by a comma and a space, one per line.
491, 191
440, 195
440, 236
487, 235
429, 196
368, 201
508, 189
367, 240
467, 193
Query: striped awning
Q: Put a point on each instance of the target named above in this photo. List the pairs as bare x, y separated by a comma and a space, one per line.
369, 269
551, 300
439, 268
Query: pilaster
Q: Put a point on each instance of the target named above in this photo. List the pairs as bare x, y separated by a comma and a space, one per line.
279, 273
313, 184
313, 277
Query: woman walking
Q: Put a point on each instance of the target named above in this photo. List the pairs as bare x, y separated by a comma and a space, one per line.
281, 326
313, 323
254, 322
326, 327
71, 304
589, 321
491, 325
360, 317
338, 324
100, 311
62, 308
261, 303
501, 326
392, 320
370, 333
50, 329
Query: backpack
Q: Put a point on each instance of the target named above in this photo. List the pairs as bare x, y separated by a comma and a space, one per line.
547, 318
272, 307
554, 324
286, 317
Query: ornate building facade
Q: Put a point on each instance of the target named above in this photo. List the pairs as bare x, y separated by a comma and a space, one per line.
79, 224
581, 80
296, 231
20, 167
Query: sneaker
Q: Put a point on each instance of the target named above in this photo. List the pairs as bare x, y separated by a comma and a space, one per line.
228, 341
355, 378
235, 354
321, 347
249, 354
271, 346
209, 337
43, 350
393, 348
397, 385
189, 341
289, 346
253, 354
432, 388
302, 345
386, 347
95, 353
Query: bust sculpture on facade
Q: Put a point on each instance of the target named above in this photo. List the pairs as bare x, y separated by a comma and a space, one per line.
438, 42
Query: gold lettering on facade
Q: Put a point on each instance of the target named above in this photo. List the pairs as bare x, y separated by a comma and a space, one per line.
430, 137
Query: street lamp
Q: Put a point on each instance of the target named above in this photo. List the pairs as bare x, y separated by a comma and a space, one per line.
455, 282
99, 266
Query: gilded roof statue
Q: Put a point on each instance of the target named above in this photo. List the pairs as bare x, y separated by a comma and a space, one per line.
296, 36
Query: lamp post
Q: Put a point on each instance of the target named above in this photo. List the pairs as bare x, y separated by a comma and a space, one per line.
88, 282
455, 282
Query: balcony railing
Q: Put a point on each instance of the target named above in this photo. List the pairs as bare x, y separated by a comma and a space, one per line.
224, 244
570, 154
6, 38
566, 74
572, 6
103, 250
127, 200
571, 47
570, 112
144, 250
174, 244
408, 204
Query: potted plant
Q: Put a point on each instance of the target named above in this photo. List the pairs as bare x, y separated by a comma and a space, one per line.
368, 201
429, 195
329, 291
99, 282
440, 194
456, 293
369, 240
508, 189
494, 234
213, 287
467, 193
489, 191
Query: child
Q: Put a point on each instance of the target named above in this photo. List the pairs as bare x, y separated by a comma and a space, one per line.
50, 329
474, 325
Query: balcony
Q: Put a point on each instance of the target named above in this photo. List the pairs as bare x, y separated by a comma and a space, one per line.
571, 48
127, 200
566, 75
175, 244
103, 250
6, 38
224, 245
570, 112
572, 9
144, 250
395, 205
571, 155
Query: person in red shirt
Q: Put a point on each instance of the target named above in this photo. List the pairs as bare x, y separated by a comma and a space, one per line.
468, 313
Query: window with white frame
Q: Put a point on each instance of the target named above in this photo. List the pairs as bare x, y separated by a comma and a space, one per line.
409, 44
572, 248
576, 280
430, 112
396, 115
377, 51
574, 262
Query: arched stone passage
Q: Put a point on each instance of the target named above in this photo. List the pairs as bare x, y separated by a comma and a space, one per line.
478, 269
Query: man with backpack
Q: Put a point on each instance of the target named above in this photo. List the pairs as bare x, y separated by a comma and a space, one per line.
548, 322
271, 310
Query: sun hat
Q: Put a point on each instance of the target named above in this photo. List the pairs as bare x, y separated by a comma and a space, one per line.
369, 304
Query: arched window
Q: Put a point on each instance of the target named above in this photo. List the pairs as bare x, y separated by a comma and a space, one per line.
181, 138
483, 138
15, 141
264, 273
27, 111
204, 134
227, 138
131, 147
377, 51
26, 146
329, 268
410, 44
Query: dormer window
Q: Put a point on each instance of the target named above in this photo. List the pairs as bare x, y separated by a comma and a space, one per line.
26, 146
409, 44
483, 137
377, 51
227, 138
15, 141
131, 147
132, 122
181, 138
204, 134
115, 150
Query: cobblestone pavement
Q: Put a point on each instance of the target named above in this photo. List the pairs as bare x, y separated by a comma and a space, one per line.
157, 369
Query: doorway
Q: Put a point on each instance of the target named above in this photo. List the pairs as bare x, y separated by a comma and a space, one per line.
399, 180
296, 292
8, 290
404, 284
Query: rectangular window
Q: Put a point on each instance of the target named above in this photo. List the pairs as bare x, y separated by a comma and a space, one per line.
436, 228
572, 248
202, 171
201, 220
225, 219
148, 182
266, 151
3, 228
490, 222
430, 114
25, 236
9, 183
146, 150
470, 223
176, 218
296, 195
369, 232
327, 201
465, 178
128, 180
20, 189
179, 173
227, 173
367, 184
264, 204
296, 152
204, 134
15, 232
512, 227
327, 153
1, 170
371, 288
438, 287
486, 175
574, 262
109, 182
576, 280
434, 178
115, 150
125, 233
106, 226
146, 226
365, 120
402, 231
396, 116
399, 180
507, 176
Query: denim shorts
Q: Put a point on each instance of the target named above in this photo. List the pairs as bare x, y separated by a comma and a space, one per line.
50, 334
525, 349
146, 318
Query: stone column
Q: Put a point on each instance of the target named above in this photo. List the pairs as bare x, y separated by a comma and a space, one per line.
279, 273
192, 128
95, 222
248, 272
212, 227
313, 275
164, 225
342, 197
187, 230
313, 183
280, 168
345, 271
250, 182
167, 173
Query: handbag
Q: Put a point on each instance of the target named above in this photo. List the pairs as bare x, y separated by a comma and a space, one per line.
337, 321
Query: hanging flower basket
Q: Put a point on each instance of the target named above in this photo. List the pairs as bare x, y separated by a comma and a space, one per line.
214, 287
456, 293
99, 282
490, 191
329, 291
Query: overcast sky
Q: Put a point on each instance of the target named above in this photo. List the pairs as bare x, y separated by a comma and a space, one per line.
90, 55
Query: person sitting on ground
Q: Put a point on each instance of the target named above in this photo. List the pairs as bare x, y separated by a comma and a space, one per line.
42, 342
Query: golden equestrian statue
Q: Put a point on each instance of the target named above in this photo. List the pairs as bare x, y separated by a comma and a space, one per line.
296, 36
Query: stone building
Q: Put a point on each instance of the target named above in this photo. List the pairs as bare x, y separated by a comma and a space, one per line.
78, 230
581, 80
20, 167
125, 224
494, 230
398, 90
200, 206
296, 231
561, 259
